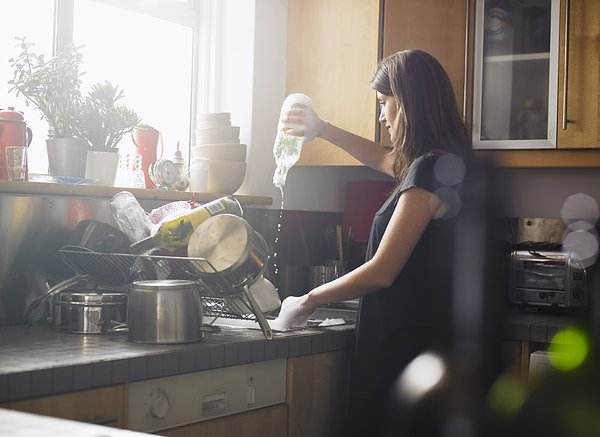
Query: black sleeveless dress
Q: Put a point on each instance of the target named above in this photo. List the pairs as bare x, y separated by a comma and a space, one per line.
398, 323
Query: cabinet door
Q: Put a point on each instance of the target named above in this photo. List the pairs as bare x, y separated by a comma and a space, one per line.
102, 406
579, 101
266, 422
437, 27
316, 394
332, 55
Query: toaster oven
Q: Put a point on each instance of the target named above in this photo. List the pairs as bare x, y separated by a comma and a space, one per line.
547, 278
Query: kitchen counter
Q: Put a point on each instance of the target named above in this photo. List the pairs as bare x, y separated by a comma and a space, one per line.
17, 424
37, 361
536, 327
98, 191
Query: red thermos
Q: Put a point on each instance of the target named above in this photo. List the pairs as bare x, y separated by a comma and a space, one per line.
146, 139
13, 132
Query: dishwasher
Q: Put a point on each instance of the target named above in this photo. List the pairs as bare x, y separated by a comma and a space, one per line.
164, 403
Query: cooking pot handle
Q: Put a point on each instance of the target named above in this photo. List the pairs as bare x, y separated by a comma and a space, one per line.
114, 326
260, 317
35, 305
29, 136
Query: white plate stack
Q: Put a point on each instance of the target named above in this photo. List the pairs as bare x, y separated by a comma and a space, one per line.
218, 161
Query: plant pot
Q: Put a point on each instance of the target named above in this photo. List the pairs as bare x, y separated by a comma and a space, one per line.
67, 156
102, 166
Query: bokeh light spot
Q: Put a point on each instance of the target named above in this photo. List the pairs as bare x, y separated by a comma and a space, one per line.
580, 206
569, 349
507, 395
449, 169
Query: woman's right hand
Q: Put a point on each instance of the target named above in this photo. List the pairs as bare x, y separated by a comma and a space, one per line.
302, 121
294, 313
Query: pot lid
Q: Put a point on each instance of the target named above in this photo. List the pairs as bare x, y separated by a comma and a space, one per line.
91, 298
11, 115
163, 284
222, 240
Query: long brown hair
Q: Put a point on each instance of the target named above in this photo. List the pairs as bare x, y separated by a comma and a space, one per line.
427, 107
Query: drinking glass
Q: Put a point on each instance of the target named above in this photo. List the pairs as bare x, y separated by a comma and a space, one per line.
16, 163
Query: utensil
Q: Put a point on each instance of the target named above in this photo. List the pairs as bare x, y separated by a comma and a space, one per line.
165, 311
235, 250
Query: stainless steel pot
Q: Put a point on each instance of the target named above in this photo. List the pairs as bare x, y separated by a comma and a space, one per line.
237, 252
83, 312
164, 311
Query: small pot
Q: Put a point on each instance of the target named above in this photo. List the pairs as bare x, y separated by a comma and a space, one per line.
165, 311
81, 312
236, 252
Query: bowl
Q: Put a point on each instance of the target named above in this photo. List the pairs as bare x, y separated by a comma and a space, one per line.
222, 152
221, 134
223, 176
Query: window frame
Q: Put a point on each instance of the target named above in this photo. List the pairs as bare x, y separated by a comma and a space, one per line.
199, 15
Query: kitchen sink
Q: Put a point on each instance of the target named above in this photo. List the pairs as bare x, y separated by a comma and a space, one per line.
318, 316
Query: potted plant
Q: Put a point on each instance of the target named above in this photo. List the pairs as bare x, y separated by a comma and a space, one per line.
102, 122
53, 87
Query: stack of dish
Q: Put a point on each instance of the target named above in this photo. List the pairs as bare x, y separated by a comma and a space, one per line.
218, 160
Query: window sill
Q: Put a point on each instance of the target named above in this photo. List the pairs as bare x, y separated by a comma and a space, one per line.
97, 191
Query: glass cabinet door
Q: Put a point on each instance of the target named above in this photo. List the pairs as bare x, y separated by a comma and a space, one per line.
516, 74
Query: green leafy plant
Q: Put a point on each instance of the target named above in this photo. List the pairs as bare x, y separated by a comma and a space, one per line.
51, 85
102, 120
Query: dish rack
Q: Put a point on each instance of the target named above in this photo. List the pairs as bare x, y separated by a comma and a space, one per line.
220, 299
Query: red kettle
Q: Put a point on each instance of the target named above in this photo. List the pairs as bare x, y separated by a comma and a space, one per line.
13, 132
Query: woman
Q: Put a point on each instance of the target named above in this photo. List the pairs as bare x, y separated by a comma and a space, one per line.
406, 279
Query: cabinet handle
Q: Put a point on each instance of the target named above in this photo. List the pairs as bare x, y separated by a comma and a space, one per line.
466, 70
566, 64
103, 420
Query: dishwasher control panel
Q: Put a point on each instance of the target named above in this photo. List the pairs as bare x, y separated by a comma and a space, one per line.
164, 403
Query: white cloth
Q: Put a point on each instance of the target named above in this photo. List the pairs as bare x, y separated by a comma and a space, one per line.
292, 314
309, 124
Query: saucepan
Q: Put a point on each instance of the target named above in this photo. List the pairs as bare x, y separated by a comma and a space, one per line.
89, 312
165, 311
236, 252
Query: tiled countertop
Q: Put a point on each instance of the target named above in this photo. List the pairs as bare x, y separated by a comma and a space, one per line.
37, 361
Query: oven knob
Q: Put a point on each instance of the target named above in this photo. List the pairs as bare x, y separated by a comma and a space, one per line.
159, 406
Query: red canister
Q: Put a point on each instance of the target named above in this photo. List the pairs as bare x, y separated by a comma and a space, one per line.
13, 132
146, 139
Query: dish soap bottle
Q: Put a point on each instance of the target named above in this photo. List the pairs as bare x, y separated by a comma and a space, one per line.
287, 148
173, 233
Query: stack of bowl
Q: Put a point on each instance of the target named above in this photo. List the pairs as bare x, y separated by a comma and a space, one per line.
218, 160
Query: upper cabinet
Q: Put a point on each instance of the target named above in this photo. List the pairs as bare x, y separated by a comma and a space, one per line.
579, 75
332, 55
525, 72
515, 74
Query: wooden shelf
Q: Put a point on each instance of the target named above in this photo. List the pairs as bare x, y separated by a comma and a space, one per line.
92, 191
542, 158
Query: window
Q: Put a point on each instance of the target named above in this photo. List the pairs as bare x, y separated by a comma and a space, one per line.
147, 47
17, 20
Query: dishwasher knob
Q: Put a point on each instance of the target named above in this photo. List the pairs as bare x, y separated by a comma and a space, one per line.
159, 406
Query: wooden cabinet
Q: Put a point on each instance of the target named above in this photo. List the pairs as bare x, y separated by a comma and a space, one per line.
333, 46
331, 57
579, 98
266, 422
102, 406
317, 393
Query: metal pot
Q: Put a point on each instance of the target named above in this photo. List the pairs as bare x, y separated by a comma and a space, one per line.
167, 311
234, 249
81, 312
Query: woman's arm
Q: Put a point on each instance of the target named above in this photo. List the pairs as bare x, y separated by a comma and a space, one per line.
304, 121
412, 215
366, 151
